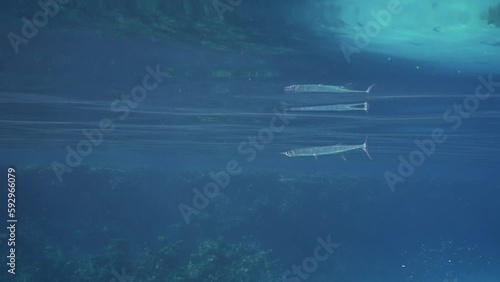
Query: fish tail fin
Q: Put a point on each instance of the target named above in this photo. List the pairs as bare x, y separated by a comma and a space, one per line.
370, 88
365, 148
366, 107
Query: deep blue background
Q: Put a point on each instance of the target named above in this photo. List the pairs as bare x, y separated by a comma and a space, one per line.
441, 223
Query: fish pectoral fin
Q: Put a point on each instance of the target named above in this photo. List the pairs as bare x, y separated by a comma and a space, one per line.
343, 157
315, 157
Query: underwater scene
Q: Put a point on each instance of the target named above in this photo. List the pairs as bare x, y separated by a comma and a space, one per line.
250, 140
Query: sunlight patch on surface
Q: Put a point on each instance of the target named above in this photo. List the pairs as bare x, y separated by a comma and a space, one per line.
454, 34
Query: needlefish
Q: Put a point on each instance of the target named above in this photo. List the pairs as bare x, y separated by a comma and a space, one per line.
327, 150
324, 88
337, 107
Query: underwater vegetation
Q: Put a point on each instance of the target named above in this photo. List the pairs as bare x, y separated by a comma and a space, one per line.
198, 22
86, 244
104, 224
214, 260
117, 225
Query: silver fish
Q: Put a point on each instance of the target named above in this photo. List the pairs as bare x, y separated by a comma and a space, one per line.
324, 88
337, 107
326, 150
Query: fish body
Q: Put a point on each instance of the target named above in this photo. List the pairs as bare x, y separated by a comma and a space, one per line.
320, 88
328, 108
326, 150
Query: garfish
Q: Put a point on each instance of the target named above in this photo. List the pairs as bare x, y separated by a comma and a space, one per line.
324, 88
328, 108
326, 150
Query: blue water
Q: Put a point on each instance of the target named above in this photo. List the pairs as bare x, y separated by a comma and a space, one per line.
187, 183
